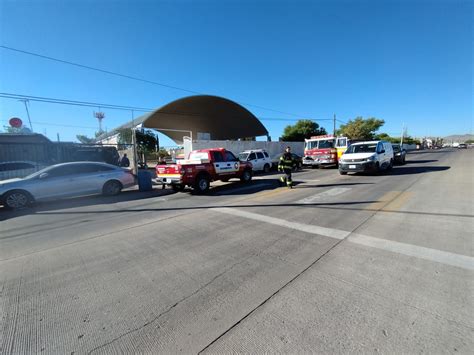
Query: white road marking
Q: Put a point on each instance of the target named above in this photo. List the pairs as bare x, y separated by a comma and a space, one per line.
328, 193
443, 257
308, 228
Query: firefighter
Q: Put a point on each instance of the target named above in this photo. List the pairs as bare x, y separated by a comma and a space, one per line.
286, 165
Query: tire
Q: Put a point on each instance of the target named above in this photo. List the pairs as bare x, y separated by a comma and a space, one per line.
177, 187
266, 168
377, 168
390, 166
342, 172
17, 199
112, 188
202, 184
246, 176
403, 161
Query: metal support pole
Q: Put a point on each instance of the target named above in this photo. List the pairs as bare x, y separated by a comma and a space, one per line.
28, 113
334, 125
134, 147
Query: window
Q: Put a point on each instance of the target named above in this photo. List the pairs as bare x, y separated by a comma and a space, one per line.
230, 157
252, 156
266, 154
61, 171
243, 156
15, 166
326, 144
341, 142
379, 147
198, 156
217, 157
259, 155
362, 148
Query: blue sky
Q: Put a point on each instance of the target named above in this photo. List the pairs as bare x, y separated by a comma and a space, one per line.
403, 61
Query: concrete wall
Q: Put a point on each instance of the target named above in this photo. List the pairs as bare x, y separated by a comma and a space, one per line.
274, 149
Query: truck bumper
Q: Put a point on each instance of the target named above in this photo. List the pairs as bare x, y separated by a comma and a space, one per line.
319, 162
357, 167
169, 179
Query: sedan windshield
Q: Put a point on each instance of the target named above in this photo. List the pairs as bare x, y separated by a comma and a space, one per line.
396, 147
362, 148
243, 156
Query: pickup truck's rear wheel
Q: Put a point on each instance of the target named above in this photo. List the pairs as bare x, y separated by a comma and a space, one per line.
246, 175
202, 184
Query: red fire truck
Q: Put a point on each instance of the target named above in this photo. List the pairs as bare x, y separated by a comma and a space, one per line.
324, 150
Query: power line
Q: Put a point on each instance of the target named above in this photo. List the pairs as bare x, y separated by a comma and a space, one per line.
73, 102
133, 77
121, 107
57, 124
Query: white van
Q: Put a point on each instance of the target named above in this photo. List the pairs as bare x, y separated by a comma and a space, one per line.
371, 156
259, 158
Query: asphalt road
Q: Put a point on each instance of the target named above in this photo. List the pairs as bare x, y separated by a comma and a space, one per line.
339, 264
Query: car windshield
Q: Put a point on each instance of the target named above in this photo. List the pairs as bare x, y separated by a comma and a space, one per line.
243, 156
396, 147
311, 145
198, 156
326, 144
362, 148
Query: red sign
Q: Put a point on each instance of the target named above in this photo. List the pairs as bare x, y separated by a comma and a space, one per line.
15, 122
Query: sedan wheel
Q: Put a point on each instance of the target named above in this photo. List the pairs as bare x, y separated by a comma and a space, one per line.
246, 176
111, 188
16, 199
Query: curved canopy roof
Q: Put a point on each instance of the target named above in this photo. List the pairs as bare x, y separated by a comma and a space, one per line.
221, 118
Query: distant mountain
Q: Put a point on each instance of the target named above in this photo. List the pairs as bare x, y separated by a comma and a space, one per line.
460, 138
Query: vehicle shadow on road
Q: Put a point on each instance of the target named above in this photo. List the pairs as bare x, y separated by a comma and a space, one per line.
420, 161
85, 201
410, 170
299, 184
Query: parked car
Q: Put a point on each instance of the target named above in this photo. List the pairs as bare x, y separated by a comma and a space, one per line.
259, 158
462, 146
18, 169
399, 154
371, 156
65, 180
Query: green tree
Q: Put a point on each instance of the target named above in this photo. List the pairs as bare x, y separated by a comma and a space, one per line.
302, 129
360, 128
469, 141
146, 140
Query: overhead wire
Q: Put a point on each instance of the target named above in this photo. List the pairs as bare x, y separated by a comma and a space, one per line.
123, 107
134, 78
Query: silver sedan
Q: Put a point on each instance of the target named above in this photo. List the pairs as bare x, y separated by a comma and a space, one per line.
63, 181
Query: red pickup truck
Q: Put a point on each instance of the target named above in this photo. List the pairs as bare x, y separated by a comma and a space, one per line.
201, 167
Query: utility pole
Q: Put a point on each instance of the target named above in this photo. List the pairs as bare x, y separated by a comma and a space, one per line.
334, 125
403, 133
25, 101
134, 146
